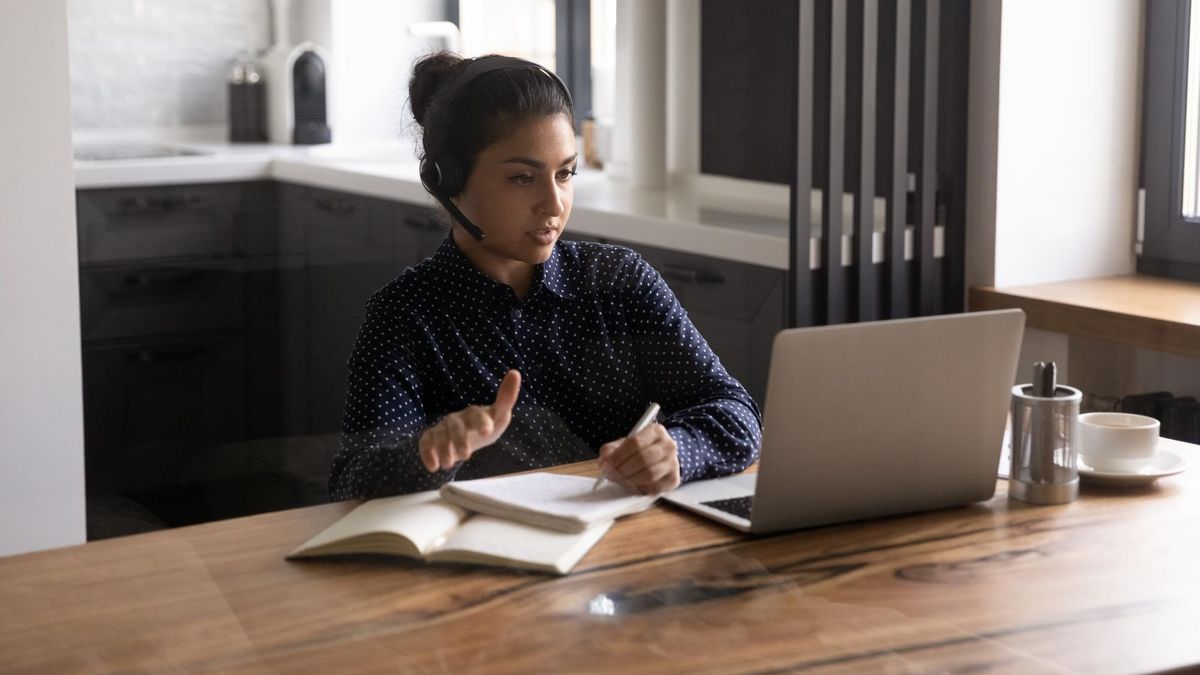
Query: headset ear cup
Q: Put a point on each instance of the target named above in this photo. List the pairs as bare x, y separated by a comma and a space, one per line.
431, 176
453, 181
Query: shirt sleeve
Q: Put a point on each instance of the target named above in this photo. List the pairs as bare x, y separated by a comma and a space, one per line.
715, 423
384, 416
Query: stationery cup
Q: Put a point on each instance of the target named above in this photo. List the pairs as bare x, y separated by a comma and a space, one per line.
1117, 442
1045, 431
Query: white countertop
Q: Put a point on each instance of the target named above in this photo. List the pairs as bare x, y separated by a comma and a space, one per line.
715, 219
672, 219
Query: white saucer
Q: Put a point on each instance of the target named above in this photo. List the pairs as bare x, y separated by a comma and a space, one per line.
1166, 463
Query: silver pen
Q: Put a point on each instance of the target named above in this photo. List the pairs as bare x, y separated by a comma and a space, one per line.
643, 421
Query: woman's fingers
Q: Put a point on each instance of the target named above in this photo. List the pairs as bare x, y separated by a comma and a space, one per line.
658, 477
430, 445
646, 462
458, 441
506, 398
460, 434
634, 448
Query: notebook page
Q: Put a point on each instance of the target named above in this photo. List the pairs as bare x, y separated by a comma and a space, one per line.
483, 539
423, 518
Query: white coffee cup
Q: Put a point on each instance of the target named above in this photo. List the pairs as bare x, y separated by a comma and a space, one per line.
1117, 442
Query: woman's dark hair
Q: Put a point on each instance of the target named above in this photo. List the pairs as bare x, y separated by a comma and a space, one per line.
481, 113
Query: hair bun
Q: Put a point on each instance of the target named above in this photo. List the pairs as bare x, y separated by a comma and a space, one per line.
430, 74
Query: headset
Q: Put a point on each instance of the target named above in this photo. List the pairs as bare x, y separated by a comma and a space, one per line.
441, 174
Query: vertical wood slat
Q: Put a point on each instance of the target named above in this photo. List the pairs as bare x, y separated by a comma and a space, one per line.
832, 213
955, 21
926, 218
865, 197
897, 198
800, 284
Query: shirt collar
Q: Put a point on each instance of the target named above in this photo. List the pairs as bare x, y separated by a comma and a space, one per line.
549, 275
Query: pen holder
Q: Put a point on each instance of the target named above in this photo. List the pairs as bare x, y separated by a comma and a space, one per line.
1045, 431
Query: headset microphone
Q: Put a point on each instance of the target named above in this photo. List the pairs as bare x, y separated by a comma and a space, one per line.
431, 180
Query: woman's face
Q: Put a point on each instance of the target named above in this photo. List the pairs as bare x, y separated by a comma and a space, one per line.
519, 193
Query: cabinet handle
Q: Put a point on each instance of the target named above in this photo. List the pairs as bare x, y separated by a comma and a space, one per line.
150, 357
690, 275
171, 203
340, 207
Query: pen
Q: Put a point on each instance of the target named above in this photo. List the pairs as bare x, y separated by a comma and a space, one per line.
646, 418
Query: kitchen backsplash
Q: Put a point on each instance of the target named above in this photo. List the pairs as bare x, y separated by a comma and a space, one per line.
157, 63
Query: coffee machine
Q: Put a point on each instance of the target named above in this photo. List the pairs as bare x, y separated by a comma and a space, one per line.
297, 100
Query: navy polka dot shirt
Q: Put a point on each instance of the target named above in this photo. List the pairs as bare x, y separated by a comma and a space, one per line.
597, 337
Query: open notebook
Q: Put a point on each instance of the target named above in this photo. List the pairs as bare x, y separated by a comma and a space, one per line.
537, 521
425, 526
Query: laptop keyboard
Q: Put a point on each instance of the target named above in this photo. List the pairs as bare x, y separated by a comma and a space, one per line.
738, 506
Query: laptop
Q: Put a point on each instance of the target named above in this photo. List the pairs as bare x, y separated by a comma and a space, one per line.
874, 419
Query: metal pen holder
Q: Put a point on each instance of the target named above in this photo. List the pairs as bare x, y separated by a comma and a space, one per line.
1045, 433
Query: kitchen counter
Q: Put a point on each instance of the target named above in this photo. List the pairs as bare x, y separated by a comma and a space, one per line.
697, 221
719, 217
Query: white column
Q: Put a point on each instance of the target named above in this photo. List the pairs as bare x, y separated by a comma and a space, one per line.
640, 143
41, 401
683, 89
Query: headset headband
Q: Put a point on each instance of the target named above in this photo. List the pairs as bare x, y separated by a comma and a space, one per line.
487, 64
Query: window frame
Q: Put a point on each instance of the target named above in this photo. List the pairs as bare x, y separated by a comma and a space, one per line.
1170, 245
573, 52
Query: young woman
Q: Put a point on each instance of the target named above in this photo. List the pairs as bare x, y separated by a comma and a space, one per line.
511, 349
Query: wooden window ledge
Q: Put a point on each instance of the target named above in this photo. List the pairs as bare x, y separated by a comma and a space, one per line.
1140, 311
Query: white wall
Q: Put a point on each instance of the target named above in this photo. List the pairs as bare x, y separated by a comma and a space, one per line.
41, 410
1060, 109
158, 64
372, 56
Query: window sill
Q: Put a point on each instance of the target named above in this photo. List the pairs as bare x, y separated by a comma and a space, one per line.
1139, 311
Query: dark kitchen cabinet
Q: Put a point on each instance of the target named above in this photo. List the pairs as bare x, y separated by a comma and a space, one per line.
150, 406
155, 223
217, 320
356, 246
159, 297
350, 254
163, 324
273, 296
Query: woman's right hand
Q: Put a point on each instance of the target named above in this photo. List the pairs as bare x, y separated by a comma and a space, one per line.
458, 435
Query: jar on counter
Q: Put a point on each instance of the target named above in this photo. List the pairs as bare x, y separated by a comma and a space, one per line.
247, 102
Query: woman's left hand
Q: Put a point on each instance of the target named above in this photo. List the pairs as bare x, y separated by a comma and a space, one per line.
646, 462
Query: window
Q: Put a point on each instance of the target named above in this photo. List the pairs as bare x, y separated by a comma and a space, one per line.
1170, 171
521, 28
574, 38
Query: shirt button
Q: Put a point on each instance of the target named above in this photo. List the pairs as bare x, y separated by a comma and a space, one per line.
516, 314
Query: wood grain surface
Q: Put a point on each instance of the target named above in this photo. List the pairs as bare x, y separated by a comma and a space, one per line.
1140, 311
1108, 583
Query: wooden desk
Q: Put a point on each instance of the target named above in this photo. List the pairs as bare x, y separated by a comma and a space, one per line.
1110, 582
1140, 311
